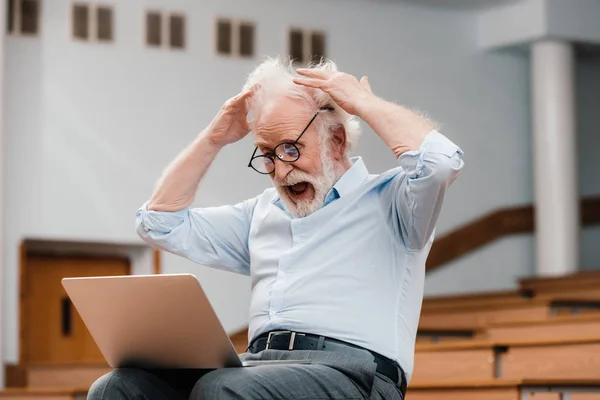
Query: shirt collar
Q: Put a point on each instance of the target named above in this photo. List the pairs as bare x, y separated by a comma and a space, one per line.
352, 178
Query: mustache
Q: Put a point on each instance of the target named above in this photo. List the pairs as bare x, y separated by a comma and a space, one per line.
297, 177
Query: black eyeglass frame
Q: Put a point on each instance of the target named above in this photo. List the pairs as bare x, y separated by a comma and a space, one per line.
280, 156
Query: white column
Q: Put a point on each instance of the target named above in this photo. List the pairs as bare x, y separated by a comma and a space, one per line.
555, 157
2, 259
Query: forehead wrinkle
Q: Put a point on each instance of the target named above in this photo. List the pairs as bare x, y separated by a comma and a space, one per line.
273, 132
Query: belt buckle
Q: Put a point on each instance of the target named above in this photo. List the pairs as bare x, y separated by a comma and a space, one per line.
292, 338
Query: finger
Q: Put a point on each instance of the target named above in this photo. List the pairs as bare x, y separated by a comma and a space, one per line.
313, 83
247, 93
314, 73
364, 81
240, 98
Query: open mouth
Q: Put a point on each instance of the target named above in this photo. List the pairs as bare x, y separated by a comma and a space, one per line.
299, 188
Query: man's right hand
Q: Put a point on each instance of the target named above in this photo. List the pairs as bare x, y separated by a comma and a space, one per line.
231, 124
177, 188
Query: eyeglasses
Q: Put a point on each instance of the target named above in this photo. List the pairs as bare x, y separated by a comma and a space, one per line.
286, 152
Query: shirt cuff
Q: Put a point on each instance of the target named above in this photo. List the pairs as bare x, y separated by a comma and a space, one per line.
160, 221
434, 144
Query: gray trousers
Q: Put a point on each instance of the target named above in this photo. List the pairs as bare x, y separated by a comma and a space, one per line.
329, 376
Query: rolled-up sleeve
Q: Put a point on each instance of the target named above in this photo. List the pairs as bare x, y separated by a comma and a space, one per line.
419, 191
213, 236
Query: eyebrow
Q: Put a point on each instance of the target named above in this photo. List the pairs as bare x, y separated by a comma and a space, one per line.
261, 144
264, 144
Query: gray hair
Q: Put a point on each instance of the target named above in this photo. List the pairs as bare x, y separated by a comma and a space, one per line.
273, 79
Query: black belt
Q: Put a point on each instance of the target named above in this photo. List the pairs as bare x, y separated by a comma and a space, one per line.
288, 340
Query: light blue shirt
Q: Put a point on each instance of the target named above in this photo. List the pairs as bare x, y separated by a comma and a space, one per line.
353, 270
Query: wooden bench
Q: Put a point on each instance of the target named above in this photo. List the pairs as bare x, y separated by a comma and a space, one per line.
579, 286
43, 394
460, 300
528, 389
484, 299
453, 361
433, 335
559, 327
508, 359
67, 375
567, 283
480, 315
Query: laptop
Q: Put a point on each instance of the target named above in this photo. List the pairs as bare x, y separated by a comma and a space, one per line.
153, 321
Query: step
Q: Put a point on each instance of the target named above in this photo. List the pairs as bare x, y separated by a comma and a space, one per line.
508, 359
474, 319
577, 389
571, 326
561, 283
64, 375
43, 394
537, 309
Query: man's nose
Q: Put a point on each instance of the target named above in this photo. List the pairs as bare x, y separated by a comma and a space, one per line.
282, 169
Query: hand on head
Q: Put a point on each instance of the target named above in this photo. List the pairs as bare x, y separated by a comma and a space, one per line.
343, 88
231, 124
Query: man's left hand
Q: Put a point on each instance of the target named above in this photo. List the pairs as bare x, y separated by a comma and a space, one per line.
343, 88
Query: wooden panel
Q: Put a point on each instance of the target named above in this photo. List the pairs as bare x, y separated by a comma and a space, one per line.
477, 303
55, 332
30, 16
42, 394
554, 282
566, 361
580, 292
555, 396
566, 329
79, 376
296, 45
104, 23
15, 375
154, 28
157, 261
224, 36
439, 339
317, 46
464, 394
488, 394
177, 31
482, 318
81, 21
453, 365
246, 40
37, 396
459, 300
498, 389
240, 341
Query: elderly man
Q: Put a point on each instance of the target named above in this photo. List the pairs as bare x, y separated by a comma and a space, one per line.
336, 255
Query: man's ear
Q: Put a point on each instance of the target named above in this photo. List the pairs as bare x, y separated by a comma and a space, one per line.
337, 142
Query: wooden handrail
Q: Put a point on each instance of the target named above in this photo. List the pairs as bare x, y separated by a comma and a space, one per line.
495, 225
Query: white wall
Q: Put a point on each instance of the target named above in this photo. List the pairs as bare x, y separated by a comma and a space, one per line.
2, 43
588, 99
21, 173
90, 127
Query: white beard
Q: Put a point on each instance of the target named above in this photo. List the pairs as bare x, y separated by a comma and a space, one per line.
321, 186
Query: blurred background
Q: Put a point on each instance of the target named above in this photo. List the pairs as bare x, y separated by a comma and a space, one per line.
99, 96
